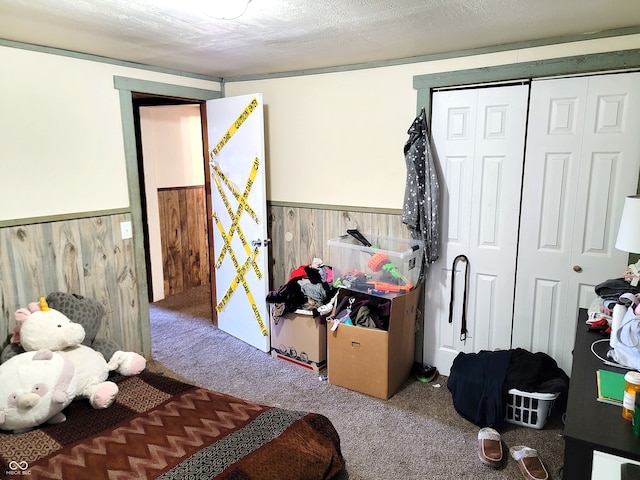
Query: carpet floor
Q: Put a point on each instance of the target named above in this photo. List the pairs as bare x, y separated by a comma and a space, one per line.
416, 434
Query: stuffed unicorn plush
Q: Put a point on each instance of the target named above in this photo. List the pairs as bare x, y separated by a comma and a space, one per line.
34, 388
40, 327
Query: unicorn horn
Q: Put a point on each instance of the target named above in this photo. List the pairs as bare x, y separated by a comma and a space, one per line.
43, 304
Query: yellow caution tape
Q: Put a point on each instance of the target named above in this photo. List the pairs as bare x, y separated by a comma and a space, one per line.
235, 218
253, 104
241, 198
239, 278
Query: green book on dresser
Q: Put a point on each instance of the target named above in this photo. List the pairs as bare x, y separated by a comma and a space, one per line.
610, 386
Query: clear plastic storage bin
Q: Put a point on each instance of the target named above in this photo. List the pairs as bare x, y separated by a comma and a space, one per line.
382, 266
529, 409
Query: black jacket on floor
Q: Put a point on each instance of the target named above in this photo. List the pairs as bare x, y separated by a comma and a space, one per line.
479, 382
476, 385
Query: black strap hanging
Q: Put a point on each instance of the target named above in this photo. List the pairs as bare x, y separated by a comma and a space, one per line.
463, 328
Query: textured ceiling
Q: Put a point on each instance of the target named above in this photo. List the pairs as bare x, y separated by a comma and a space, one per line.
276, 36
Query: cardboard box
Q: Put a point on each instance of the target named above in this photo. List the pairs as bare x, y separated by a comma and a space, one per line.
373, 361
388, 268
300, 339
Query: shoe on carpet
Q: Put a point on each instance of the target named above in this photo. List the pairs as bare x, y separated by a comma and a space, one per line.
490, 447
425, 373
529, 462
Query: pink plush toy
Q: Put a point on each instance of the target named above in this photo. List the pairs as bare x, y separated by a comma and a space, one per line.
40, 327
34, 388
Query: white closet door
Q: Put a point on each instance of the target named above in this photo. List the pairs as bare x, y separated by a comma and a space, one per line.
478, 137
583, 157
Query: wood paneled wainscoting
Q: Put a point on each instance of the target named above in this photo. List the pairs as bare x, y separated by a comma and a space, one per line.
84, 256
184, 238
88, 256
299, 233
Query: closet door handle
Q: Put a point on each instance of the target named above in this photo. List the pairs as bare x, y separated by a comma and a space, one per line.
577, 268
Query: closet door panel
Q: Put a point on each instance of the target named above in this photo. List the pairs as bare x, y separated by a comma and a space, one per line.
546, 303
599, 192
552, 167
610, 169
553, 204
479, 141
581, 162
495, 209
458, 170
486, 330
454, 146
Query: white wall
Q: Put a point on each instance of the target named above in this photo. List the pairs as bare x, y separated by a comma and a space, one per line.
61, 140
334, 138
172, 153
338, 138
172, 145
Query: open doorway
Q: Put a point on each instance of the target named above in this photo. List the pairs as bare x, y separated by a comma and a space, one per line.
172, 177
160, 92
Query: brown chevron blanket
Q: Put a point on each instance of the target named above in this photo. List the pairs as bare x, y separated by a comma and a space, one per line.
162, 428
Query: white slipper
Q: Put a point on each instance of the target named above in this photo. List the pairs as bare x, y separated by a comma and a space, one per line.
490, 447
529, 462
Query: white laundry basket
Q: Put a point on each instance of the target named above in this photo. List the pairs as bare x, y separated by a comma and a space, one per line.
529, 409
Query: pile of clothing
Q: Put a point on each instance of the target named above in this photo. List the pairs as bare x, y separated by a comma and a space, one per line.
610, 292
479, 382
363, 310
310, 287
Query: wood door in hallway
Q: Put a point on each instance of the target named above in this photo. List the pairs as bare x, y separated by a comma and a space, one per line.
184, 238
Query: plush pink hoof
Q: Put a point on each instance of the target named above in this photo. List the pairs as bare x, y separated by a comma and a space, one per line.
104, 395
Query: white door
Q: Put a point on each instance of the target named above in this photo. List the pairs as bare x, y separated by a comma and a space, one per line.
238, 192
583, 157
478, 137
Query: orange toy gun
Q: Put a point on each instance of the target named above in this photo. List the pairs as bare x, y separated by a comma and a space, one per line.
380, 288
390, 287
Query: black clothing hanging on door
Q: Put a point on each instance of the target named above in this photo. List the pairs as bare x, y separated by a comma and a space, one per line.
422, 192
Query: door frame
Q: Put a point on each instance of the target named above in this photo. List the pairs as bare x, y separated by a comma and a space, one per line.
126, 88
143, 101
625, 60
609, 62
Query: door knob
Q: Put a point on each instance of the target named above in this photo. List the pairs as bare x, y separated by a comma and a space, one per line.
260, 243
577, 268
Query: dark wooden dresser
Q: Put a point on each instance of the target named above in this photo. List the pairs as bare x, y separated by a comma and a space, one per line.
590, 424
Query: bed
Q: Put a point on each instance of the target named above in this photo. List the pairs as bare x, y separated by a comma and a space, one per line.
162, 428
